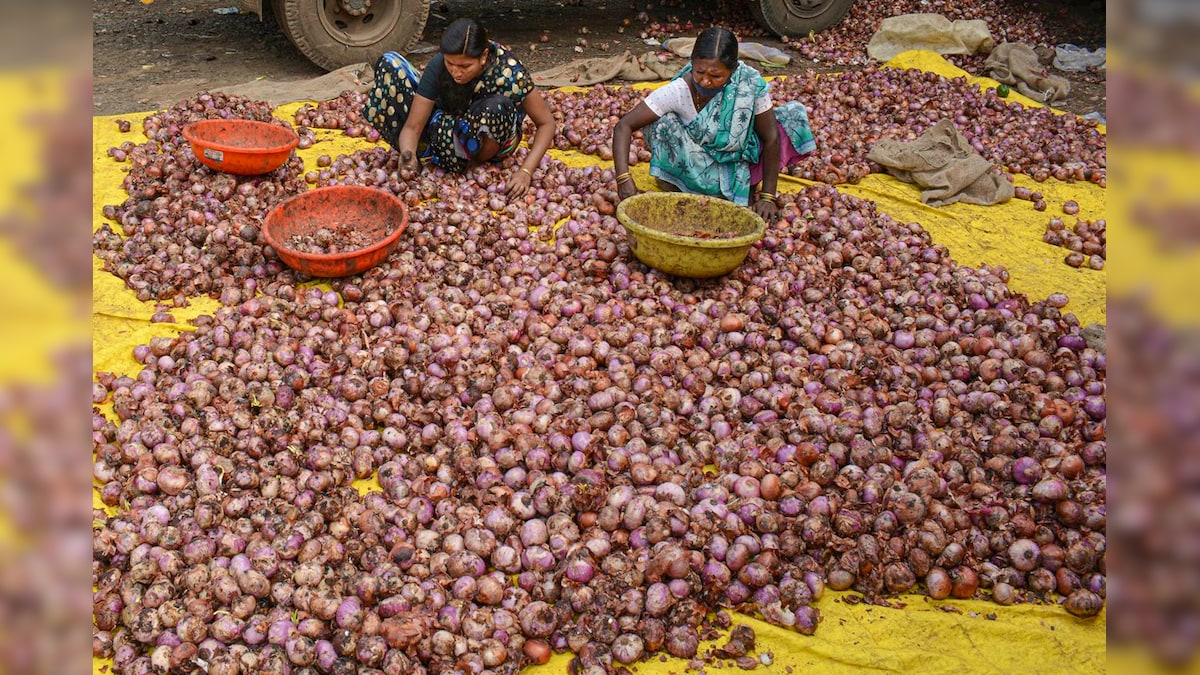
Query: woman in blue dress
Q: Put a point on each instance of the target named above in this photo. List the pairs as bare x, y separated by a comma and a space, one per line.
713, 130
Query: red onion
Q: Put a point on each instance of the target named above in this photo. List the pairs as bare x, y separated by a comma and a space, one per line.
1083, 603
567, 444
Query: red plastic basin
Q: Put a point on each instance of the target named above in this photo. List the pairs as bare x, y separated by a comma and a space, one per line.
242, 147
369, 210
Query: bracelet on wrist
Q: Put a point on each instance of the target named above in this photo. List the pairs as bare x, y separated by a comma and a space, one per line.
622, 177
768, 197
527, 172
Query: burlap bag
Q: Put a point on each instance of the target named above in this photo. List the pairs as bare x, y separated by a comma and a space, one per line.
944, 165
624, 66
1019, 66
932, 32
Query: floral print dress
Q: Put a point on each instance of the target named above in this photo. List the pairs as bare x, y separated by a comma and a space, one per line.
451, 140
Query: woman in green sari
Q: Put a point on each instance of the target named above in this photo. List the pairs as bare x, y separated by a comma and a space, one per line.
714, 131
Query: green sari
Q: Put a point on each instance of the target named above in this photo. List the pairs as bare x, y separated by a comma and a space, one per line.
713, 154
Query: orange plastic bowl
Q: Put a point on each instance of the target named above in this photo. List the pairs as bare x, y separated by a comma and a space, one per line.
242, 147
378, 213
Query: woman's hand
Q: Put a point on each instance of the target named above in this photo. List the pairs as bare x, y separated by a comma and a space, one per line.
409, 164
518, 182
766, 209
626, 189
543, 137
767, 128
410, 135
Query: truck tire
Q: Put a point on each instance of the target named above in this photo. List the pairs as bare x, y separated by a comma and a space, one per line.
798, 18
336, 33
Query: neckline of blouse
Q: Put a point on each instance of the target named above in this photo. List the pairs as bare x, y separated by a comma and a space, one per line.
698, 99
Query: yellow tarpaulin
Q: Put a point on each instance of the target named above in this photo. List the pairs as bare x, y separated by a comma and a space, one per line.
923, 637
31, 299
1008, 234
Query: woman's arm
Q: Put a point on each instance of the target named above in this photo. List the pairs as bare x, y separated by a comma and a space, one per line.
539, 111
410, 135
768, 136
633, 120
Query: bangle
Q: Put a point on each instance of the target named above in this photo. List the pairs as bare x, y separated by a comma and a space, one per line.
622, 177
526, 172
767, 196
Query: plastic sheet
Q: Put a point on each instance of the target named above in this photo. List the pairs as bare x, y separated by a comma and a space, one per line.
925, 636
36, 303
952, 636
32, 300
1147, 252
1009, 234
1069, 57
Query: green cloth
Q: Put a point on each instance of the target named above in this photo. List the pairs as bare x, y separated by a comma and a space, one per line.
712, 154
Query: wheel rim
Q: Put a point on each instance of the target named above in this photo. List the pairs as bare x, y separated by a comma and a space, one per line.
364, 30
808, 8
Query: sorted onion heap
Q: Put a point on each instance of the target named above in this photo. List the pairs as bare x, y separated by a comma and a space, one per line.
578, 453
37, 442
850, 111
165, 126
585, 120
556, 191
1157, 358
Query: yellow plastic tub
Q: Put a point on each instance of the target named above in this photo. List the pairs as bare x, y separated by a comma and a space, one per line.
689, 235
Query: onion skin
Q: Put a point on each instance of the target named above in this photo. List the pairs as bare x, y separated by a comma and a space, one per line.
965, 582
1083, 604
938, 584
537, 651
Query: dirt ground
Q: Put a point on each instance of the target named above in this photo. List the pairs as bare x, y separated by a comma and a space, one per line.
147, 57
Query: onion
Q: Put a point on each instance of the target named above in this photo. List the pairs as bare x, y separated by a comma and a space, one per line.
1084, 603
574, 452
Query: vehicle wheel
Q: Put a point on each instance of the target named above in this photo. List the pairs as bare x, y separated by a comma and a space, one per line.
336, 33
798, 18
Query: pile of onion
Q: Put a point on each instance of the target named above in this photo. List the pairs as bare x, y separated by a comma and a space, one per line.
1087, 241
187, 230
850, 111
343, 112
575, 452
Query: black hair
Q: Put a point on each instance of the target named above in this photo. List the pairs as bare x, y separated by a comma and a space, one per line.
717, 43
462, 37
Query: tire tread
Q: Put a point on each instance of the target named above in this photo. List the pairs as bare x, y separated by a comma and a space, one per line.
290, 20
830, 18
